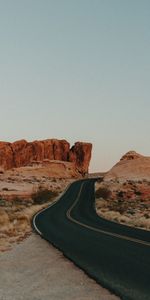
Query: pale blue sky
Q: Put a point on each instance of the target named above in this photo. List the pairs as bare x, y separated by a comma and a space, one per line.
79, 70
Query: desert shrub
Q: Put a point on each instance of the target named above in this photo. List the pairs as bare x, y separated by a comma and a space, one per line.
17, 201
5, 189
2, 202
120, 194
138, 193
146, 216
130, 212
103, 192
4, 218
43, 195
99, 180
54, 180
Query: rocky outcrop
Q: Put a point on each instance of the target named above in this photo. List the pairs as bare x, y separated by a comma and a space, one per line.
22, 153
131, 155
6, 155
80, 153
132, 166
25, 152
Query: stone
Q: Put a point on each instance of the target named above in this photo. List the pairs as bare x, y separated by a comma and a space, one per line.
131, 155
80, 153
132, 166
22, 153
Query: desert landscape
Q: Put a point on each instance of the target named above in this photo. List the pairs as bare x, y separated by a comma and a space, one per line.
124, 194
32, 176
30, 182
31, 179
74, 150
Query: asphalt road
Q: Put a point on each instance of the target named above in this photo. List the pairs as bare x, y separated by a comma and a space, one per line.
116, 256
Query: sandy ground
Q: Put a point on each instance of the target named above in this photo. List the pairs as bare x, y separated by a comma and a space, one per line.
23, 182
35, 270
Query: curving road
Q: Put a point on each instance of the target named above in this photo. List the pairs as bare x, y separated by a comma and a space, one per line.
117, 256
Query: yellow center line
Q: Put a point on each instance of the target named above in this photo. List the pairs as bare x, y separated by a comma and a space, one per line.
124, 237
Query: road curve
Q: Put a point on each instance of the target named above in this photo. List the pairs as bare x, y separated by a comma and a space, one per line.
116, 256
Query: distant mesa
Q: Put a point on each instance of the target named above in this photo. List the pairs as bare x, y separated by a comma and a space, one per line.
132, 166
22, 153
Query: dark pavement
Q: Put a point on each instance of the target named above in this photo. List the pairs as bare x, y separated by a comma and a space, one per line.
116, 256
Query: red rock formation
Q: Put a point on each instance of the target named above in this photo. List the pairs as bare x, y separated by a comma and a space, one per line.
81, 154
6, 155
21, 153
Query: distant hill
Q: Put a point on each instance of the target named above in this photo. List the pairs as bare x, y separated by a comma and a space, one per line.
132, 166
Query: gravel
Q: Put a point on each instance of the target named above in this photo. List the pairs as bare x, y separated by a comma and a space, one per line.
35, 270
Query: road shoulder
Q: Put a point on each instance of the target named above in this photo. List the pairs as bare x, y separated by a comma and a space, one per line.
35, 269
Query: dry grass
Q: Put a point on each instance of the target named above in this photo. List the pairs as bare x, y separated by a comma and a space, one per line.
43, 195
103, 192
136, 221
23, 192
128, 203
16, 216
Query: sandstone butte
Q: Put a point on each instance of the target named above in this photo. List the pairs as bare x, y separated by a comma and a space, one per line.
22, 153
132, 166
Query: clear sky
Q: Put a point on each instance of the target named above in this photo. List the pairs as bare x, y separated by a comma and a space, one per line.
77, 70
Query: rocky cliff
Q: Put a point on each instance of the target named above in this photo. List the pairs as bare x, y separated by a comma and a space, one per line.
22, 153
80, 153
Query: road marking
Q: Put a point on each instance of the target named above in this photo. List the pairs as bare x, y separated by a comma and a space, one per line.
124, 237
39, 212
42, 210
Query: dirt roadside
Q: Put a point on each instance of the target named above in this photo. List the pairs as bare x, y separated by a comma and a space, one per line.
34, 270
